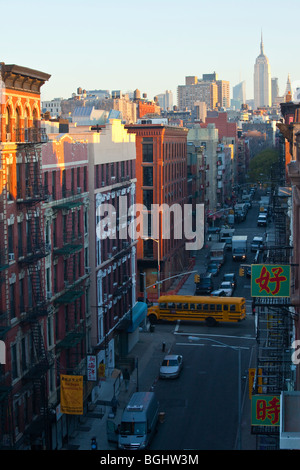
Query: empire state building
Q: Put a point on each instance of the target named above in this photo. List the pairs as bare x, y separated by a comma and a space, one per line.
262, 80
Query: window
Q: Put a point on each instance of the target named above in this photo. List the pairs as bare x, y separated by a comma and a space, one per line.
64, 187
148, 198
192, 306
12, 304
65, 234
46, 182
53, 185
199, 306
212, 307
171, 305
14, 361
10, 232
21, 295
78, 177
162, 305
48, 282
29, 290
73, 180
147, 150
55, 278
23, 355
147, 175
232, 308
85, 179
185, 306
179, 306
19, 187
112, 170
122, 168
205, 307
9, 182
50, 330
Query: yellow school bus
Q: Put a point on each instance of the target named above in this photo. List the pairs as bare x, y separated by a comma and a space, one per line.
210, 310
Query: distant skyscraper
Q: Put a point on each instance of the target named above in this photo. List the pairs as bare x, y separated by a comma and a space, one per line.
288, 86
239, 92
262, 80
165, 100
275, 89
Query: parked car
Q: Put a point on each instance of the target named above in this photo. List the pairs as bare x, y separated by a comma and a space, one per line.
213, 269
218, 293
230, 277
257, 243
205, 285
262, 220
171, 366
227, 288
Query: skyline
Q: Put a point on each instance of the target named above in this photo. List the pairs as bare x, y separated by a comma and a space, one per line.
152, 47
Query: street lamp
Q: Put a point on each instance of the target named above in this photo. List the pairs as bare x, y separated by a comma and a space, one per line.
239, 387
158, 261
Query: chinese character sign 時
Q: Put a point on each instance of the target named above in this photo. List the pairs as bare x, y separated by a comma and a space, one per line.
265, 410
270, 280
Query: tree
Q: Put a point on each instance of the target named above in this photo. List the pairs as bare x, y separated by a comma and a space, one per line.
260, 165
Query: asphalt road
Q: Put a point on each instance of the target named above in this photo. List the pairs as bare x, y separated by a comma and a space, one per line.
202, 406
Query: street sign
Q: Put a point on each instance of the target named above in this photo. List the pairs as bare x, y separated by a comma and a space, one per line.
265, 410
270, 280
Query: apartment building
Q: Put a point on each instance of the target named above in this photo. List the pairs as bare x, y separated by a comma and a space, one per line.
115, 313
26, 374
207, 138
161, 173
205, 91
66, 277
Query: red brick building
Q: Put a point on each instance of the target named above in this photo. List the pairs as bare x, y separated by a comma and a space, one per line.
161, 172
226, 129
23, 304
65, 216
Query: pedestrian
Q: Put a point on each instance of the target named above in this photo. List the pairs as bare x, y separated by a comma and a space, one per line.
126, 377
114, 405
94, 445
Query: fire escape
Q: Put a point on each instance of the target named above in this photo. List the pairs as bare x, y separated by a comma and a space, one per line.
69, 250
274, 318
6, 424
30, 258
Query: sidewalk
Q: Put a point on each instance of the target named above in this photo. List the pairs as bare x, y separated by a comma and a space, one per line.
148, 346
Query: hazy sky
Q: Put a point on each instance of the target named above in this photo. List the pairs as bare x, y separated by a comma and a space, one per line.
152, 45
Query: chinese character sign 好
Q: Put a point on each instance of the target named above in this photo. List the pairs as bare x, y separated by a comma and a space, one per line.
268, 280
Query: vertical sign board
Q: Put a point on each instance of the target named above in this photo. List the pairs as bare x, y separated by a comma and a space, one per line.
251, 378
71, 394
91, 368
270, 280
265, 410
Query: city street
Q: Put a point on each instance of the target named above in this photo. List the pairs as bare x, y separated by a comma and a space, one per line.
202, 407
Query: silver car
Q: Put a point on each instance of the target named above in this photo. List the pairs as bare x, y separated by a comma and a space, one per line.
171, 366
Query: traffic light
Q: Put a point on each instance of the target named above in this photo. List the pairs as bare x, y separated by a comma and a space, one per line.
197, 278
242, 271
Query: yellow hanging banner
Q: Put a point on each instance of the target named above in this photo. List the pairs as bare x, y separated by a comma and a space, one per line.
71, 394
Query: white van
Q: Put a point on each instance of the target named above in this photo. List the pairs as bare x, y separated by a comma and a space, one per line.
139, 421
